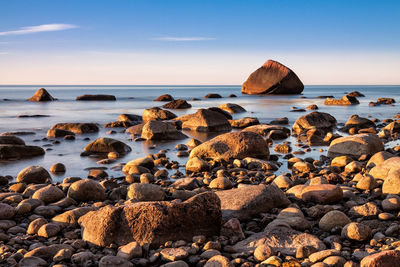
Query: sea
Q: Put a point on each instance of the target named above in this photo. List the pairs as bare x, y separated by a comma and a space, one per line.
134, 99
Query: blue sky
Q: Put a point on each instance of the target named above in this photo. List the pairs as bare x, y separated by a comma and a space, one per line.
197, 42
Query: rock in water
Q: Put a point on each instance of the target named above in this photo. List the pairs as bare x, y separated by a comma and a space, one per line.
96, 98
41, 95
8, 152
344, 101
158, 130
153, 223
245, 202
77, 128
319, 120
157, 114
33, 174
177, 104
272, 78
355, 145
205, 120
106, 145
236, 145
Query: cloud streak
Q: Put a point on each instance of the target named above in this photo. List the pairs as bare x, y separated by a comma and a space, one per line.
183, 39
40, 28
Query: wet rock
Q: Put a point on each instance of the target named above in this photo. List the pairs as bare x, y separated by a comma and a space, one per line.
205, 120
48, 194
130, 251
106, 145
245, 202
158, 130
355, 145
153, 222
86, 190
333, 219
272, 78
344, 101
322, 194
6, 211
212, 95
157, 114
96, 98
41, 95
11, 152
358, 123
319, 120
55, 133
177, 104
58, 168
388, 258
145, 192
33, 175
232, 108
146, 163
130, 117
312, 107
165, 98
244, 122
221, 183
356, 231
280, 239
236, 145
136, 129
11, 140
77, 128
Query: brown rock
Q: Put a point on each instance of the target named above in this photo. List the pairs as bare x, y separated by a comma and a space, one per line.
356, 231
205, 120
11, 152
157, 114
96, 98
6, 211
319, 120
41, 95
106, 145
333, 219
145, 192
388, 258
244, 122
165, 97
49, 230
177, 104
355, 145
48, 194
232, 108
11, 140
344, 101
86, 190
71, 217
322, 194
77, 128
34, 175
272, 78
158, 130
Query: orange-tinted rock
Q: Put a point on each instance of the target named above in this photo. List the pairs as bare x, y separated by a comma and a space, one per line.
41, 95
272, 78
389, 258
322, 193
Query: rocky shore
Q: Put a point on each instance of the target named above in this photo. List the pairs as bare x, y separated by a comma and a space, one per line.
226, 206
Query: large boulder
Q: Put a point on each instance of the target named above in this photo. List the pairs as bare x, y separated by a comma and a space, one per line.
8, 152
272, 78
77, 128
157, 114
379, 158
158, 130
153, 223
236, 145
355, 145
387, 258
145, 192
280, 239
322, 193
381, 170
96, 98
106, 145
86, 190
245, 202
205, 120
41, 95
358, 123
314, 120
33, 175
11, 140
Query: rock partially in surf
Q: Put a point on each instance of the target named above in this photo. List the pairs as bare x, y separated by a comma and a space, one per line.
106, 145
344, 101
120, 124
355, 145
158, 114
11, 140
358, 123
355, 94
8, 152
212, 95
96, 98
77, 128
319, 120
235, 145
33, 175
177, 104
272, 78
136, 129
159, 130
55, 133
165, 98
271, 131
205, 120
41, 95
244, 122
232, 108
130, 117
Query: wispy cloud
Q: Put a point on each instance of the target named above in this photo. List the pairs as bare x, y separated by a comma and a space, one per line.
183, 39
40, 28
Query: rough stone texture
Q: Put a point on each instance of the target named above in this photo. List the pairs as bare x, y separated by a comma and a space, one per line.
41, 95
244, 122
8, 152
322, 193
355, 145
55, 133
165, 98
48, 194
272, 78
96, 98
158, 130
77, 128
232, 108
244, 202
145, 192
205, 120
177, 104
157, 114
33, 175
319, 120
265, 130
106, 145
6, 211
379, 158
129, 117
71, 217
153, 222
236, 145
280, 239
356, 231
333, 219
86, 190
344, 101
358, 122
141, 162
391, 184
388, 258
196, 164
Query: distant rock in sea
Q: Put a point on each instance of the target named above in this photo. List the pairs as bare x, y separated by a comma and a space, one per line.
41, 95
272, 78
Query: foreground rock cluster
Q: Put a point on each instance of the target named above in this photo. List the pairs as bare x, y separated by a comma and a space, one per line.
229, 208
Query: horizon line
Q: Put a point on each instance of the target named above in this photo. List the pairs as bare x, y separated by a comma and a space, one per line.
66, 84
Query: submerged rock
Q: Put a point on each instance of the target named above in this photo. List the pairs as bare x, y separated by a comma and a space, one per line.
153, 223
96, 98
106, 145
236, 145
11, 152
41, 95
77, 128
272, 78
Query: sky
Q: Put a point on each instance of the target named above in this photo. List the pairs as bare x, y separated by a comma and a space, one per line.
197, 42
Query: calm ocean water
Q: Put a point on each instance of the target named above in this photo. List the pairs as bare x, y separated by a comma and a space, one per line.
134, 99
